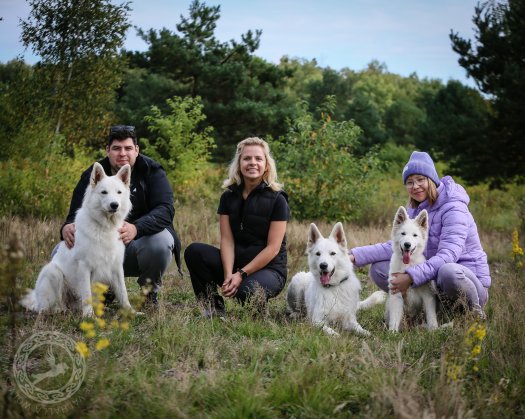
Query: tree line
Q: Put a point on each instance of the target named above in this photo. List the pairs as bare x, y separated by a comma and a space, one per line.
85, 81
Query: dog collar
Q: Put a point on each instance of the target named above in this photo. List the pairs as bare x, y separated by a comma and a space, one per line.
340, 282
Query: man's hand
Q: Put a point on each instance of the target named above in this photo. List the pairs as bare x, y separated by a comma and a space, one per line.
127, 232
68, 233
400, 283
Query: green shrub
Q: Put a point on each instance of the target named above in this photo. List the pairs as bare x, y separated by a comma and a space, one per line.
496, 209
40, 185
181, 146
322, 175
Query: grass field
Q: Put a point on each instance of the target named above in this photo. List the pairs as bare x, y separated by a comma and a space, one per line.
258, 363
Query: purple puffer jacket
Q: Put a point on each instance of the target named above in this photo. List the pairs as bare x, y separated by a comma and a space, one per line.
452, 238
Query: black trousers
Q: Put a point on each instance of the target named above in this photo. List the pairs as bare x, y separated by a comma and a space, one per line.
206, 273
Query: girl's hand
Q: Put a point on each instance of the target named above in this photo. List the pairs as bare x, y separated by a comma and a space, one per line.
231, 284
400, 283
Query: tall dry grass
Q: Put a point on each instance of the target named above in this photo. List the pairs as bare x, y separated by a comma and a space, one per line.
173, 363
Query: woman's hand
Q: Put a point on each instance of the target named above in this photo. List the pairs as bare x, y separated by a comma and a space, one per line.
400, 283
231, 285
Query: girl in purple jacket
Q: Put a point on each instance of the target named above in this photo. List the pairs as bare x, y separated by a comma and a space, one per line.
455, 258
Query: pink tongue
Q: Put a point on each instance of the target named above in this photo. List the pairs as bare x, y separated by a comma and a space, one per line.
406, 258
325, 278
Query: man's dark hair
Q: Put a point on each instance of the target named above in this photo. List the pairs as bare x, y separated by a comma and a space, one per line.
121, 132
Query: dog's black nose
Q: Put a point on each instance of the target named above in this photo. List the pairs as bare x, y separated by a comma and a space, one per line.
407, 245
114, 205
323, 266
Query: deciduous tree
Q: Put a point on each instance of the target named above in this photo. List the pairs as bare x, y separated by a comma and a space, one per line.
78, 43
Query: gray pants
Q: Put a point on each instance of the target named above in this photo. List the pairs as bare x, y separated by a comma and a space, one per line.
453, 280
147, 257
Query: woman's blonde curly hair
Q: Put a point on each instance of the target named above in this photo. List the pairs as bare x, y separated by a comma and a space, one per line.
234, 169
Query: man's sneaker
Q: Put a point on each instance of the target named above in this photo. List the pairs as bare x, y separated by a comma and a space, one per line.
151, 300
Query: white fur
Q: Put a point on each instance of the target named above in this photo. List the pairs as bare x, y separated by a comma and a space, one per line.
97, 255
329, 292
409, 236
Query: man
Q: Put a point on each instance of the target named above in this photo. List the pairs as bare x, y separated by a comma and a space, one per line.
148, 232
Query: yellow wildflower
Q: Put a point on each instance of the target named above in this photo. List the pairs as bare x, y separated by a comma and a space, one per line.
99, 288
86, 326
454, 372
481, 333
99, 309
102, 344
101, 323
90, 334
124, 325
476, 350
114, 324
82, 349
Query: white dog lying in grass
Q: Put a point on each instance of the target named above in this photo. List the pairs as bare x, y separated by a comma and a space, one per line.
329, 292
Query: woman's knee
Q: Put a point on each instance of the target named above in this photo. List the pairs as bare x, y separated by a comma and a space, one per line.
194, 252
379, 274
267, 282
449, 272
455, 280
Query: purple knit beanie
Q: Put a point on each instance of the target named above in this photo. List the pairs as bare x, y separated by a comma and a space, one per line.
420, 163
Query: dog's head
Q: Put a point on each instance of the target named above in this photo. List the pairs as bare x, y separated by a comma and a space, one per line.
109, 194
328, 257
409, 235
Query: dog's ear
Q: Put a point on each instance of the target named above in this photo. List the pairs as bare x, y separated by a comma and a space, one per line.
401, 216
124, 174
338, 234
97, 174
422, 219
313, 235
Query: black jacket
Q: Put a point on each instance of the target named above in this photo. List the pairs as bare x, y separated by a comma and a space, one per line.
151, 198
250, 223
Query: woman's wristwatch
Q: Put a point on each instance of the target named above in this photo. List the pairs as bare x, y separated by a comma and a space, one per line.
243, 273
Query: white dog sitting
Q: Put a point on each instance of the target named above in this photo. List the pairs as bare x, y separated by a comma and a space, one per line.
97, 255
409, 238
330, 290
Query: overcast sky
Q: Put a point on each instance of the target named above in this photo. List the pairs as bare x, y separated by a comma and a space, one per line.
407, 35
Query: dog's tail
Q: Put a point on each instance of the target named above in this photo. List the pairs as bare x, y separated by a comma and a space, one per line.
376, 298
28, 301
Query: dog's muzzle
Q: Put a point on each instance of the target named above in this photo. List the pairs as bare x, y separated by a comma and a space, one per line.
326, 276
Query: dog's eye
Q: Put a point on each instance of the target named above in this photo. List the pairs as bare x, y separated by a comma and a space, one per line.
104, 192
415, 235
332, 253
403, 234
318, 254
119, 192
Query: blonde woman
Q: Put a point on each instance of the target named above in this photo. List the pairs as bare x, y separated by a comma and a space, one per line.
253, 214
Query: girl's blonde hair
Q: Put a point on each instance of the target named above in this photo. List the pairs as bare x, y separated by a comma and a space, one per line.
432, 195
234, 170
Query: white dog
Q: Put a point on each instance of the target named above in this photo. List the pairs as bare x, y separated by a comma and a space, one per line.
409, 238
330, 291
97, 255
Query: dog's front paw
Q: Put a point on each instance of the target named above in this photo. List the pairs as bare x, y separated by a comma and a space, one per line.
364, 332
329, 331
87, 311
